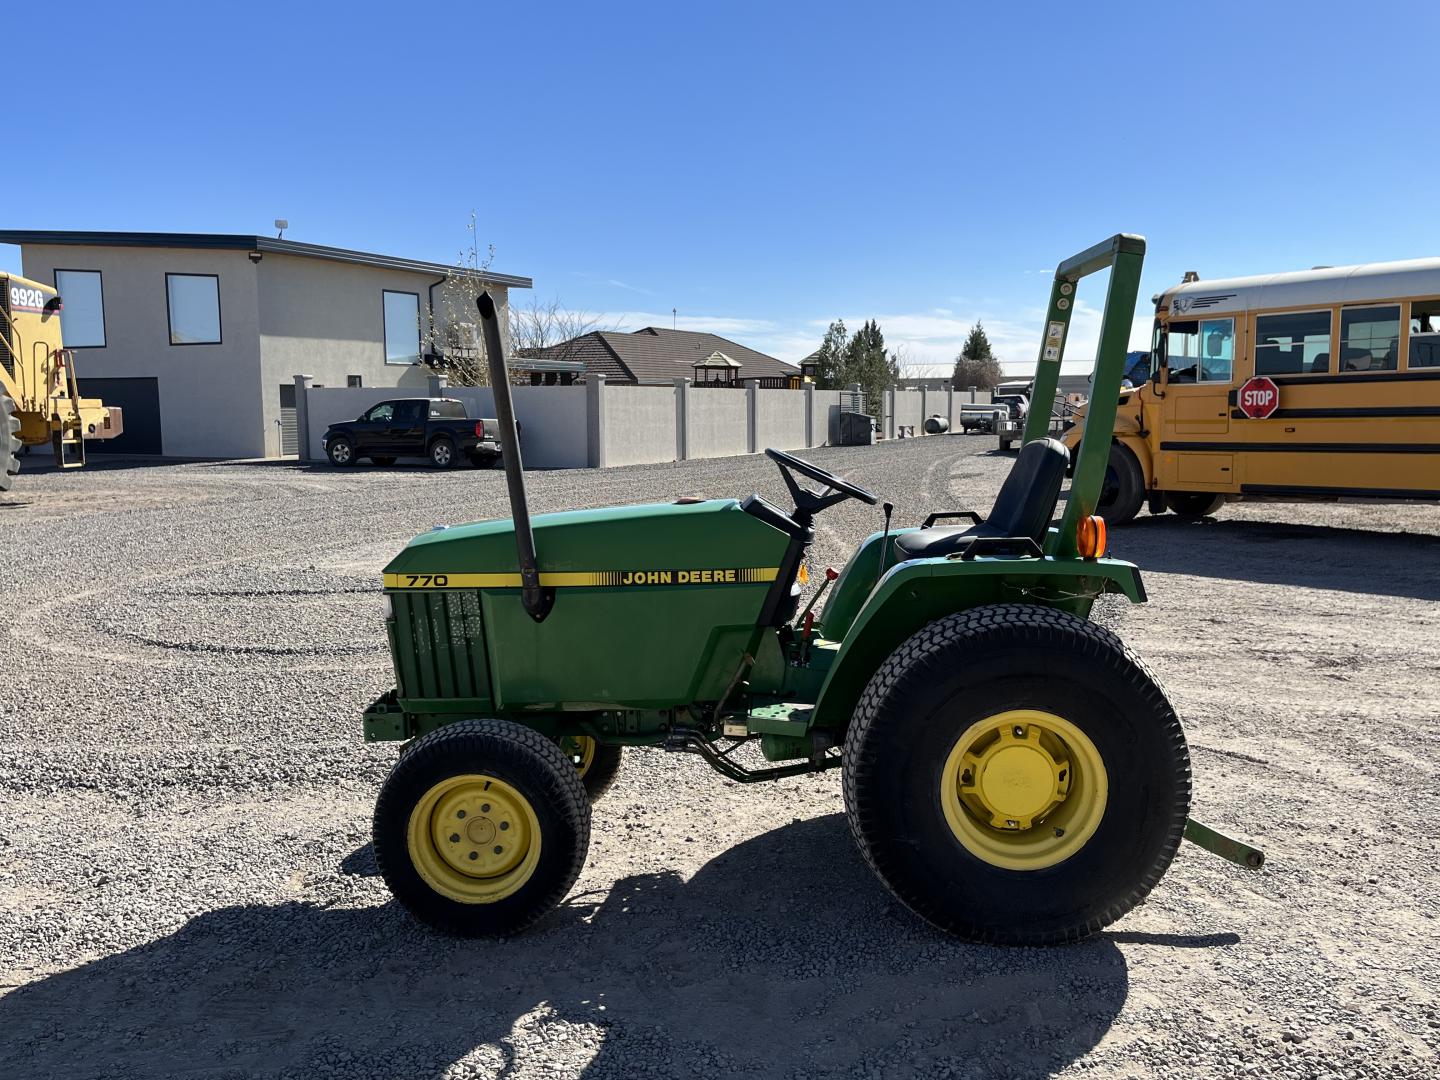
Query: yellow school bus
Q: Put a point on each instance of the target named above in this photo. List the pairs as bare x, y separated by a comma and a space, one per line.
1351, 409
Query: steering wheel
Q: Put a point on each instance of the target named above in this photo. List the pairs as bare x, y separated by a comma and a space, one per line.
788, 462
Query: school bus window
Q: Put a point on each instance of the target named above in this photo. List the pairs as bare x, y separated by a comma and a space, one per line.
1294, 343
1217, 343
1182, 350
1425, 334
1370, 338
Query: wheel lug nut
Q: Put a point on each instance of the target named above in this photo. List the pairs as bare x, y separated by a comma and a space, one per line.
454, 837
504, 825
1059, 833
498, 849
460, 813
1019, 732
474, 855
485, 808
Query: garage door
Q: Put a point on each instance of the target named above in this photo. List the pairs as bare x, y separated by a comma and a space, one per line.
140, 400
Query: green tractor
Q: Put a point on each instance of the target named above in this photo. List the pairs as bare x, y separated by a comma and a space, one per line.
1011, 770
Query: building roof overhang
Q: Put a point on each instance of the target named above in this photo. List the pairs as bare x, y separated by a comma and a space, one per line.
261, 244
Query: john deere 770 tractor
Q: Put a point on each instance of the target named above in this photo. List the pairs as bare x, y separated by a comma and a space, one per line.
1012, 771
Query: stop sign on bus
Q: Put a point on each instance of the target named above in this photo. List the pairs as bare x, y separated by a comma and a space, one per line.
1259, 397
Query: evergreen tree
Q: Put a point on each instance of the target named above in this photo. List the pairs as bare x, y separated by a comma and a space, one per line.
976, 365
867, 363
830, 358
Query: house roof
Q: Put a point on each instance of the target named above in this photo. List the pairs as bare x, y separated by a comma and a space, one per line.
237, 242
657, 355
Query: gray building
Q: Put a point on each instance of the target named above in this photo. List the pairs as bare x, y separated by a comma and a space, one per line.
199, 337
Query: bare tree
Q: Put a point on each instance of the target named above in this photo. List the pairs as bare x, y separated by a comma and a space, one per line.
553, 327
454, 344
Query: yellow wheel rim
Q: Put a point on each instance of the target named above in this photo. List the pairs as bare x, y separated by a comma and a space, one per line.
1023, 789
581, 750
474, 839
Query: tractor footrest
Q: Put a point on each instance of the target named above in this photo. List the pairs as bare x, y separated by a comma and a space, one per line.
783, 719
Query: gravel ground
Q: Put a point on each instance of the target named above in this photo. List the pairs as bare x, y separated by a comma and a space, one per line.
186, 884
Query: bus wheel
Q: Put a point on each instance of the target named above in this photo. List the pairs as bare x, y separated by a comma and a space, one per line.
1123, 492
1194, 504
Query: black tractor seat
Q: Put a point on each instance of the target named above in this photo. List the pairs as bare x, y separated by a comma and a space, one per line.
1022, 510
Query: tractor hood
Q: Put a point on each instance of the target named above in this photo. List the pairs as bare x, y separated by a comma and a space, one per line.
691, 542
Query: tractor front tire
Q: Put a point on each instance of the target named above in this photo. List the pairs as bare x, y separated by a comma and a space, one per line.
1193, 504
482, 828
597, 763
9, 442
1014, 774
1123, 492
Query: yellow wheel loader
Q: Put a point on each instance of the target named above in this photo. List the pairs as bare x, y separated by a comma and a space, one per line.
40, 400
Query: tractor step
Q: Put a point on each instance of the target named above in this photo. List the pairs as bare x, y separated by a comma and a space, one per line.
784, 719
75, 459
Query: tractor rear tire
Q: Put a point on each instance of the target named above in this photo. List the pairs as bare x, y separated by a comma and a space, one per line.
481, 828
9, 442
1193, 504
1123, 492
597, 763
965, 724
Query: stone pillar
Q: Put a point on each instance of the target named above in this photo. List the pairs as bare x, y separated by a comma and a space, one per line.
302, 415
595, 420
682, 419
752, 413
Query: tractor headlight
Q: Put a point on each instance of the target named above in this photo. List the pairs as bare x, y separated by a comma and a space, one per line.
387, 606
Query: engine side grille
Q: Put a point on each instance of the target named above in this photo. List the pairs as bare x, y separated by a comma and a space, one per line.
440, 645
6, 359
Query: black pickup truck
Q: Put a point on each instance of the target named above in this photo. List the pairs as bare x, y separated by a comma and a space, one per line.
434, 428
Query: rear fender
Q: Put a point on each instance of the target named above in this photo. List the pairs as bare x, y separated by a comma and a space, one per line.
915, 593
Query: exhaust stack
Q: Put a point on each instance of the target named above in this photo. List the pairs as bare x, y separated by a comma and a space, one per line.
537, 600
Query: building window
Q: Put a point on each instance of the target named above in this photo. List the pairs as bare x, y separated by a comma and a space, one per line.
1292, 344
402, 327
1370, 338
82, 319
354, 381
194, 303
1425, 334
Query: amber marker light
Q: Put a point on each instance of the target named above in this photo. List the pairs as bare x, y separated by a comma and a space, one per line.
1090, 537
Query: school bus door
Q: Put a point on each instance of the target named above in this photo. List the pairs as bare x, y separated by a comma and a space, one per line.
1200, 369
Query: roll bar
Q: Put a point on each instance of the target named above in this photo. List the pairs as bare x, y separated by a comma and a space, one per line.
1124, 255
537, 600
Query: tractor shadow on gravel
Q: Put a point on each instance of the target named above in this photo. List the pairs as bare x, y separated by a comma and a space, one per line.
781, 956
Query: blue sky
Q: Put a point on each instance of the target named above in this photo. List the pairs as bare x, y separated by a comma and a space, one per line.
763, 168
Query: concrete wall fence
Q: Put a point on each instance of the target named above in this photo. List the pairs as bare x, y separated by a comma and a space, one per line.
596, 425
